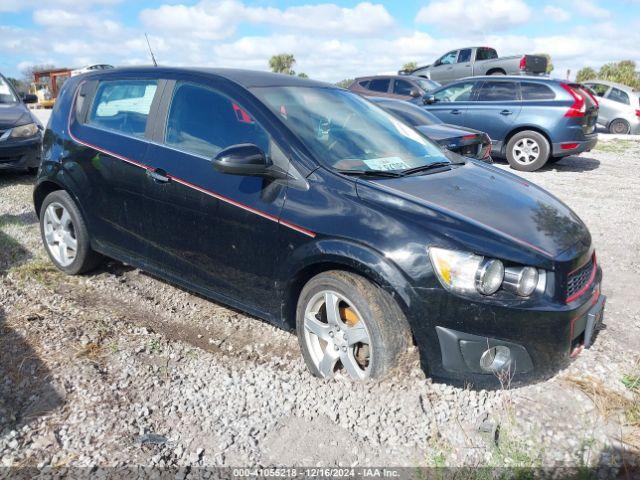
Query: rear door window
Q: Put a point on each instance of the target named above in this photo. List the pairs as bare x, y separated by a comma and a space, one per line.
204, 122
619, 96
536, 91
123, 105
379, 84
492, 91
402, 87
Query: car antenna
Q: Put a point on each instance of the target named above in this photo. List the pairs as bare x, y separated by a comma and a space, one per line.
155, 64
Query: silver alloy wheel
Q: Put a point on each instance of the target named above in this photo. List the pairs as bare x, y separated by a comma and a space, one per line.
526, 151
332, 339
60, 234
619, 127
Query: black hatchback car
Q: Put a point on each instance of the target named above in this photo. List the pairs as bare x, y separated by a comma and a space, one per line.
304, 204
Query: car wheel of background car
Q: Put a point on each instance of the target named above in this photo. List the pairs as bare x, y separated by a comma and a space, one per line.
497, 72
619, 127
65, 235
527, 151
345, 323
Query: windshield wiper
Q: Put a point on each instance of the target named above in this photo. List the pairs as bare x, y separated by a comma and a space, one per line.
373, 173
430, 166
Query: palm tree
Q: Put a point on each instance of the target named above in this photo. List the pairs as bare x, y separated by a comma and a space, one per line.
282, 63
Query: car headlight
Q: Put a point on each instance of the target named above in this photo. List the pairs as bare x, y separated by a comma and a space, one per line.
467, 273
24, 131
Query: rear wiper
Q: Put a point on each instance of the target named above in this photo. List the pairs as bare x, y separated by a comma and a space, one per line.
423, 168
373, 173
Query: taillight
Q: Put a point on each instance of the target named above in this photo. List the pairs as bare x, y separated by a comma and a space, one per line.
579, 107
637, 113
523, 63
569, 146
592, 96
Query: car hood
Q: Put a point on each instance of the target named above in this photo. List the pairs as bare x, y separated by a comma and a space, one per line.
13, 115
476, 200
443, 131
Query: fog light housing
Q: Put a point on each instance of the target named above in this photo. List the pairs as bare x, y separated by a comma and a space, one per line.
495, 359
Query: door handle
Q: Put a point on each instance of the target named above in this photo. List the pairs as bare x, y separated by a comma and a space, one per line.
158, 175
455, 112
506, 112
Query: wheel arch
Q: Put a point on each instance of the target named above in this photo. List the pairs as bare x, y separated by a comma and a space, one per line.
44, 188
499, 70
355, 259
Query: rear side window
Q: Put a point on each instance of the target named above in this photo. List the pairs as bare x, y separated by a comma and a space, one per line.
379, 85
204, 122
123, 105
536, 91
497, 92
619, 96
402, 87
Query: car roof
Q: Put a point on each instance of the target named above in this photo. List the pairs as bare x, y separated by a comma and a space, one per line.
512, 77
245, 78
373, 77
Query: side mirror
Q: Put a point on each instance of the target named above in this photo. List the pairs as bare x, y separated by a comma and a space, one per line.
415, 93
246, 159
29, 98
429, 99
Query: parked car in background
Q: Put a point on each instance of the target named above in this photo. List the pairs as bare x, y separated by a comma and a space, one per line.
401, 87
463, 141
529, 119
20, 130
311, 207
474, 61
91, 68
619, 106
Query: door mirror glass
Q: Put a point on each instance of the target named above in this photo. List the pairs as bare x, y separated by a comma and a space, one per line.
246, 159
415, 93
429, 99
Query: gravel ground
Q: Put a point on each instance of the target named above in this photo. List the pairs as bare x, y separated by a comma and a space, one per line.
119, 368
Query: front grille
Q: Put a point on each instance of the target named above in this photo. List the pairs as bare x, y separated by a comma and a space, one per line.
579, 279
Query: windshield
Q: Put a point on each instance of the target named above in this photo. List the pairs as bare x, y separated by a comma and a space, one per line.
346, 132
6, 94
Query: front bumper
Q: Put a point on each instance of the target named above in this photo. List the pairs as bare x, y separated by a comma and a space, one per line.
585, 145
541, 337
20, 154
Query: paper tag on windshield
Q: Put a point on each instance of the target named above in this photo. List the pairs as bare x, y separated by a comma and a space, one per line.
386, 163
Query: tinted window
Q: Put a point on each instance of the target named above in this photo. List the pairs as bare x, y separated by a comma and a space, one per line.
497, 92
203, 122
460, 92
536, 91
123, 105
486, 54
465, 55
402, 87
364, 84
619, 96
379, 85
449, 58
598, 88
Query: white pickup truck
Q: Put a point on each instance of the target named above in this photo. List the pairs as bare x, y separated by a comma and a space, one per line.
473, 61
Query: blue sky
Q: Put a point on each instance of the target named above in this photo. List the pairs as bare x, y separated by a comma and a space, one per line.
330, 40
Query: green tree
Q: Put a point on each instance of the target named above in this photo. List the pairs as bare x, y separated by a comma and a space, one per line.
549, 61
410, 66
19, 85
621, 72
345, 83
585, 74
303, 75
282, 63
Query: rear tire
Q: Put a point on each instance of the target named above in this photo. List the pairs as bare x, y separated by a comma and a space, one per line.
619, 127
497, 72
528, 151
65, 236
335, 309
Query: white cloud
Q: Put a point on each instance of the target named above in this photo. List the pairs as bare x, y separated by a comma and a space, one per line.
214, 20
556, 14
590, 8
475, 15
21, 5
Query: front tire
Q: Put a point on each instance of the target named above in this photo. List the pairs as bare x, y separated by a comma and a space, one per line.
347, 324
64, 235
619, 127
528, 151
